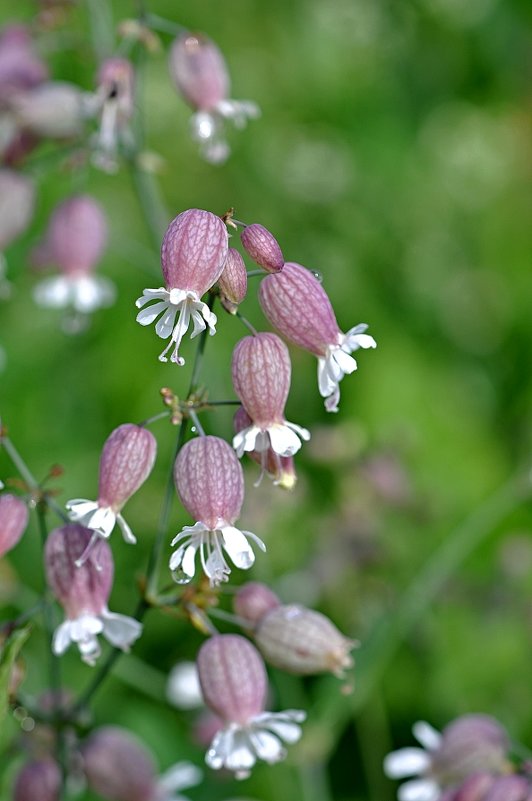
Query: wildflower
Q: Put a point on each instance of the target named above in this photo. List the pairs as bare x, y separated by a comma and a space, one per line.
56, 110
114, 101
233, 282
261, 378
83, 591
120, 768
20, 67
263, 248
254, 600
40, 779
468, 744
193, 256
210, 484
199, 71
13, 521
74, 242
507, 788
126, 462
297, 305
280, 468
234, 684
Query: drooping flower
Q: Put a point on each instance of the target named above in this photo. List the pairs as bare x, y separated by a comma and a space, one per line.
13, 521
74, 242
120, 768
263, 247
114, 101
295, 303
261, 373
83, 591
210, 485
199, 72
234, 685
39, 779
193, 256
126, 462
233, 282
469, 744
280, 468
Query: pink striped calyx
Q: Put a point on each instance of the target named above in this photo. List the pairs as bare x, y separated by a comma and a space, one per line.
210, 484
193, 256
233, 282
40, 778
263, 247
296, 304
13, 521
261, 373
254, 600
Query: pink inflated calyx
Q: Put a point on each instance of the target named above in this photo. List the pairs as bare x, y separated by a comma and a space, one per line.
83, 591
17, 200
127, 460
280, 468
234, 685
210, 484
38, 780
20, 67
261, 372
296, 304
193, 256
263, 247
233, 282
13, 521
253, 600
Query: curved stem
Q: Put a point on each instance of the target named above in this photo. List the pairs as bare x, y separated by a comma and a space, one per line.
246, 322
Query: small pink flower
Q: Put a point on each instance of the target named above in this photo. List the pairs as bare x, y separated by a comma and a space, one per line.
114, 102
83, 592
13, 521
199, 71
263, 247
280, 468
253, 600
295, 303
193, 256
210, 484
74, 242
39, 779
126, 462
234, 685
261, 377
233, 282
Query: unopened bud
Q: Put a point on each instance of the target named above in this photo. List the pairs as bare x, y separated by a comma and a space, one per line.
254, 600
474, 788
469, 744
263, 247
509, 788
38, 781
13, 521
233, 282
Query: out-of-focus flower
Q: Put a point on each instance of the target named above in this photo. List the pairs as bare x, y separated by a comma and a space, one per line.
74, 242
507, 788
56, 110
199, 71
210, 485
83, 592
13, 521
254, 600
120, 768
295, 303
261, 372
126, 462
114, 101
182, 688
234, 684
469, 744
193, 256
20, 67
39, 780
263, 247
17, 200
280, 468
233, 282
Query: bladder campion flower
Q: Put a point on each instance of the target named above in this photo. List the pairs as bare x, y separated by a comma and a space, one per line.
261, 377
263, 247
39, 779
295, 303
83, 591
233, 282
114, 101
13, 521
210, 484
280, 468
234, 685
193, 256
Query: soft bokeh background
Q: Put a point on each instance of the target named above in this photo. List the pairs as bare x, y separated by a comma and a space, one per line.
394, 156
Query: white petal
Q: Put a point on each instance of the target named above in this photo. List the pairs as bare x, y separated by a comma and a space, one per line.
345, 362
53, 292
198, 323
148, 315
91, 292
303, 433
238, 548
331, 403
84, 627
219, 749
152, 294
164, 326
364, 341
406, 762
178, 777
79, 507
288, 731
267, 746
102, 520
419, 790
62, 638
325, 383
120, 630
283, 440
127, 534
246, 440
427, 735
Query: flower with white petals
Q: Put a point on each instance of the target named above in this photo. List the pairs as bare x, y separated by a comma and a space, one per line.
416, 762
338, 362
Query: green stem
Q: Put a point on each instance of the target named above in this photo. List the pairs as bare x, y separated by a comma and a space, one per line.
163, 25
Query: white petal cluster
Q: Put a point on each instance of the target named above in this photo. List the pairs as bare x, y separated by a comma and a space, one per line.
179, 777
83, 293
416, 762
101, 519
207, 128
283, 438
338, 362
121, 631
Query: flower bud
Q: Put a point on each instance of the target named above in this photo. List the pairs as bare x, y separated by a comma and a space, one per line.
469, 744
509, 788
280, 468
474, 788
254, 600
39, 780
20, 67
233, 282
302, 641
56, 110
17, 198
263, 248
13, 521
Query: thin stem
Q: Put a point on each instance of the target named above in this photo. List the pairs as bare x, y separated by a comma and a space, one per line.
224, 403
223, 615
199, 353
246, 323
163, 25
195, 419
150, 420
254, 273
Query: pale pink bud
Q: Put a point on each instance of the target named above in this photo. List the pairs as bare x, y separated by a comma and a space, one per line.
210, 485
261, 373
56, 110
120, 768
38, 781
295, 303
263, 247
127, 460
193, 256
303, 641
13, 521
280, 468
234, 684
83, 591
233, 282
20, 67
253, 600
17, 199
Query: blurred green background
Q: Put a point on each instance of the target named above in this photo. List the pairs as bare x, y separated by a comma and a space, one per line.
394, 156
